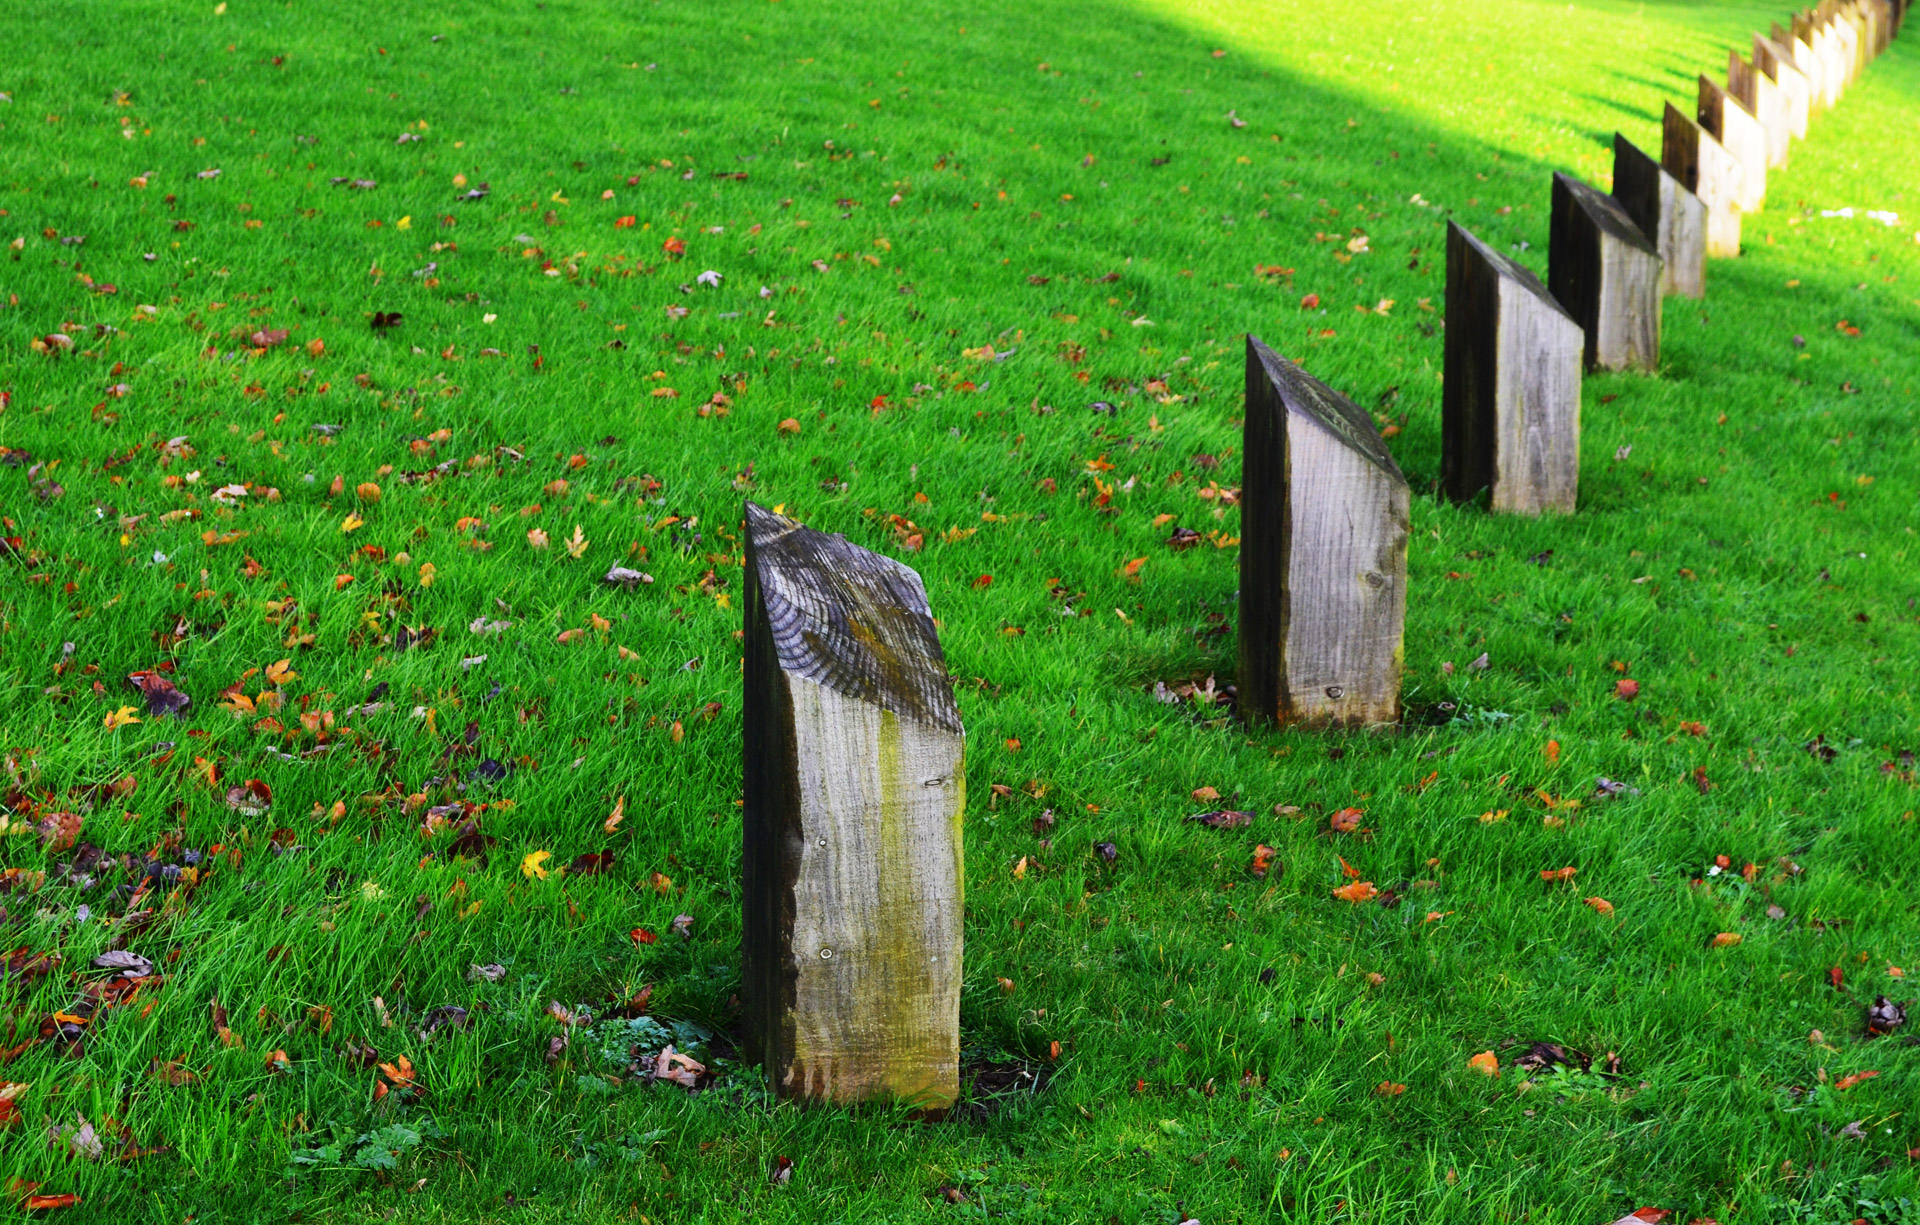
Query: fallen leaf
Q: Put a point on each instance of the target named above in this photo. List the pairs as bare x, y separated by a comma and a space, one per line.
1601, 906
1357, 892
618, 814
1726, 940
1486, 1063
530, 867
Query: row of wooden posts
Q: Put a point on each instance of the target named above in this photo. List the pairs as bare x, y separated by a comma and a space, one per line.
854, 776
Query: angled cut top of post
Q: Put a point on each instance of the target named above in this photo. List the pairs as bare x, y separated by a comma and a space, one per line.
849, 619
1310, 398
1511, 270
1605, 213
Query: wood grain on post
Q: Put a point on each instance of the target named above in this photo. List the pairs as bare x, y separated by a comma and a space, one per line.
855, 785
1705, 168
1606, 273
1756, 91
1667, 213
1324, 516
1775, 62
1739, 133
1510, 394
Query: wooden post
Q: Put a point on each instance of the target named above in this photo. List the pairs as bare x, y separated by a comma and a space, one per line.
1756, 91
1798, 43
1324, 517
1606, 273
1739, 132
1510, 395
1775, 62
1705, 168
1667, 213
1851, 25
1826, 45
855, 785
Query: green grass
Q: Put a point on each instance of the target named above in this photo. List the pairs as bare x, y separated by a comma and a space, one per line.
1747, 563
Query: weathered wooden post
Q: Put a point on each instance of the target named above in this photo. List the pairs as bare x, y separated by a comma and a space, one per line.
1775, 62
1797, 42
855, 785
1756, 91
1704, 167
1510, 394
1606, 273
1851, 25
1739, 133
1667, 213
1324, 517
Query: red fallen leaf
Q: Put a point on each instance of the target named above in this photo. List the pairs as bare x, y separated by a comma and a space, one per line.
641, 935
1550, 875
1694, 729
1848, 1082
1352, 873
1553, 752
1653, 1216
625, 223
1387, 1088
266, 338
33, 1203
674, 247
1723, 862
1262, 859
1345, 821
1310, 301
983, 582
1626, 690
591, 865
1834, 976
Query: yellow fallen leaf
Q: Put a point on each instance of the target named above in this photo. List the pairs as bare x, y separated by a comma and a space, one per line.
427, 571
120, 718
530, 866
279, 673
577, 546
352, 523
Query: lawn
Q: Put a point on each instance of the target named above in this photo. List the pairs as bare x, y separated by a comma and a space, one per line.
345, 348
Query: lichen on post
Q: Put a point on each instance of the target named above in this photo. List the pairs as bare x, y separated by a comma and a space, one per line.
852, 870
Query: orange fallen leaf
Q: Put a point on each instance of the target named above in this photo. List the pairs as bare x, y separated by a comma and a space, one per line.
1726, 940
1347, 869
1358, 892
1387, 1088
1551, 875
618, 815
1848, 1082
1486, 1063
1602, 906
1205, 795
1345, 821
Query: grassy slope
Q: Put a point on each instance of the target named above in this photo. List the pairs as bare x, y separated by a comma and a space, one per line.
1750, 533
